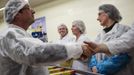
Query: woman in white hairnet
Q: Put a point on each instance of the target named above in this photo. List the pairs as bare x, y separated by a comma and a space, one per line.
20, 54
109, 17
78, 29
122, 44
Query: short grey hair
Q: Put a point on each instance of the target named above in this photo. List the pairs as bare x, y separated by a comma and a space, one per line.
12, 8
80, 24
63, 26
112, 12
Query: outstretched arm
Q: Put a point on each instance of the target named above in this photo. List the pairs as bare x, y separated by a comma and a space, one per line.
34, 52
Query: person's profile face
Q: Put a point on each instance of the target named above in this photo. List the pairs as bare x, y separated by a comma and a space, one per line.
102, 18
75, 30
27, 14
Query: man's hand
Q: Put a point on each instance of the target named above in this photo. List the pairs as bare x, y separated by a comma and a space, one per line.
98, 48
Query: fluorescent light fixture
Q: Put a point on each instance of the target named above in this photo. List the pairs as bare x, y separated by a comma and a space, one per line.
2, 8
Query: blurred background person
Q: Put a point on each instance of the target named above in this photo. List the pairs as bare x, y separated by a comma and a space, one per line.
64, 39
78, 30
64, 36
109, 18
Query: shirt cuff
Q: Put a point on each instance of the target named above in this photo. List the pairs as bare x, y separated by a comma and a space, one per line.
74, 50
111, 49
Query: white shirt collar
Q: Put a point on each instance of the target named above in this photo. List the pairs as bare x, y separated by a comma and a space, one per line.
15, 26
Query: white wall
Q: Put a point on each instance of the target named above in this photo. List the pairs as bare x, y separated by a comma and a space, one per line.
2, 25
65, 11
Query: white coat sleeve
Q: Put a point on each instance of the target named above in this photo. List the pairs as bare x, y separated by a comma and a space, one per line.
32, 51
125, 43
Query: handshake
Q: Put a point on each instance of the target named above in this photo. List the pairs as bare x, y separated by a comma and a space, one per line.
90, 48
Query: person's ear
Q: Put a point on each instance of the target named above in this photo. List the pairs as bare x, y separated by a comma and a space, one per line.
18, 15
109, 14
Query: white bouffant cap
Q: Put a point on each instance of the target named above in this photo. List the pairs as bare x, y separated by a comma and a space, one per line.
12, 8
80, 24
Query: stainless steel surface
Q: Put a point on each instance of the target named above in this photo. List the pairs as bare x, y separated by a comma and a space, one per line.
80, 72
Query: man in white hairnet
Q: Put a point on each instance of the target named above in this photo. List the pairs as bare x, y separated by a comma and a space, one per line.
20, 54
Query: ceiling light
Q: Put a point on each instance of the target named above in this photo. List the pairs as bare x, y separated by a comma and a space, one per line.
1, 9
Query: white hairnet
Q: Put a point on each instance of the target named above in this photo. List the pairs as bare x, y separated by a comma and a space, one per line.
12, 8
62, 25
80, 24
112, 12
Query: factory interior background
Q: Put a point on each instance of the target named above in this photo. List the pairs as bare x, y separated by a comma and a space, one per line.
66, 11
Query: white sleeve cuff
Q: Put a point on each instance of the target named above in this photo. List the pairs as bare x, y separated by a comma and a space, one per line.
74, 50
111, 49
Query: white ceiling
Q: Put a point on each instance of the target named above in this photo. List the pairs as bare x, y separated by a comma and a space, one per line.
33, 3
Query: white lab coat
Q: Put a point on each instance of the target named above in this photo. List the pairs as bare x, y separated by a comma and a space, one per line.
114, 33
65, 39
125, 43
20, 54
78, 64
